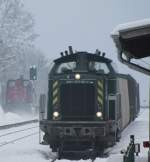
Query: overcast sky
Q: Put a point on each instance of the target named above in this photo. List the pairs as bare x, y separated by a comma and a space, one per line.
86, 25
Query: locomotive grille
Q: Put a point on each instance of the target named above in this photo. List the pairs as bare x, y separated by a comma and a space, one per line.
77, 101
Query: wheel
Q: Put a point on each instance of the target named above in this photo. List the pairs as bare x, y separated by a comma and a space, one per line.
54, 148
59, 153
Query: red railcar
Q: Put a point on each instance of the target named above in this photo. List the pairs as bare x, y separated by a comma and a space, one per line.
19, 95
19, 91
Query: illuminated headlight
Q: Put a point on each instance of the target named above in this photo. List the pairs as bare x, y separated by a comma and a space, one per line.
55, 114
77, 76
99, 114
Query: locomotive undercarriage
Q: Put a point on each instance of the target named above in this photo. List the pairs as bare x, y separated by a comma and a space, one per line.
86, 139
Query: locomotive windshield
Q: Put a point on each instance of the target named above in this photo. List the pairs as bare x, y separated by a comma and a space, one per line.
66, 67
93, 66
99, 67
83, 62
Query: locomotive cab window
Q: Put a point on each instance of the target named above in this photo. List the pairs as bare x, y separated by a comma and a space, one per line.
66, 67
99, 67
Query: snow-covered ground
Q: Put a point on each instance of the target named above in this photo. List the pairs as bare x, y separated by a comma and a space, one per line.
28, 149
139, 128
10, 118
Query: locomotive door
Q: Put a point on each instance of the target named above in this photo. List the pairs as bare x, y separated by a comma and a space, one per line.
114, 104
114, 100
112, 107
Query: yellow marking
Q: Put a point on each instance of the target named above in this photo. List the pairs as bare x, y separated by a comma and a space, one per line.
55, 84
100, 92
100, 100
55, 100
100, 84
55, 92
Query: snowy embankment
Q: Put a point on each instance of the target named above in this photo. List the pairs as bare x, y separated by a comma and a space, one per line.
10, 118
28, 150
139, 128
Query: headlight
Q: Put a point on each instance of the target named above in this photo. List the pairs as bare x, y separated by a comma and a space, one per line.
55, 114
77, 76
99, 114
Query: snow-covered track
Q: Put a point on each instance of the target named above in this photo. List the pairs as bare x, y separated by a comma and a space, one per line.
11, 135
92, 160
17, 139
18, 124
54, 159
17, 131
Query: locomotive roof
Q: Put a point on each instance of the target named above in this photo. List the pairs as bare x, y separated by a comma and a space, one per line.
89, 56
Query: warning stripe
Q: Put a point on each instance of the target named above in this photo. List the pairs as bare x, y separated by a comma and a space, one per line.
55, 100
100, 84
100, 101
55, 84
55, 92
100, 92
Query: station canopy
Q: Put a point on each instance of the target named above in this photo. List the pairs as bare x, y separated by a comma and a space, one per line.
133, 39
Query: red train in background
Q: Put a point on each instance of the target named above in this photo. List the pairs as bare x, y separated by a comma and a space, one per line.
19, 95
19, 91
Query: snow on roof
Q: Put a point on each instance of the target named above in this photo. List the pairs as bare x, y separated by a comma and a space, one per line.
130, 25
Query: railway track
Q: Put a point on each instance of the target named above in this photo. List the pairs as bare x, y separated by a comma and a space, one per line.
75, 157
18, 124
17, 139
56, 158
15, 132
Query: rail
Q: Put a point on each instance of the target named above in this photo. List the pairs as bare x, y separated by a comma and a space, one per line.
17, 131
18, 139
19, 134
18, 124
56, 158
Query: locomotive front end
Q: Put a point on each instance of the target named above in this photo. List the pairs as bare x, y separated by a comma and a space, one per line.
77, 111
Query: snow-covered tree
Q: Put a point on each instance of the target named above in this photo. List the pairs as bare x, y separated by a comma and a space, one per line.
16, 33
17, 50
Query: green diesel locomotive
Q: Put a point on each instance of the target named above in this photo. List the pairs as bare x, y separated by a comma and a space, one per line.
89, 104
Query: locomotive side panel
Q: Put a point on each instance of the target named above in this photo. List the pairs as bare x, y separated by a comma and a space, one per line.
133, 97
125, 107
